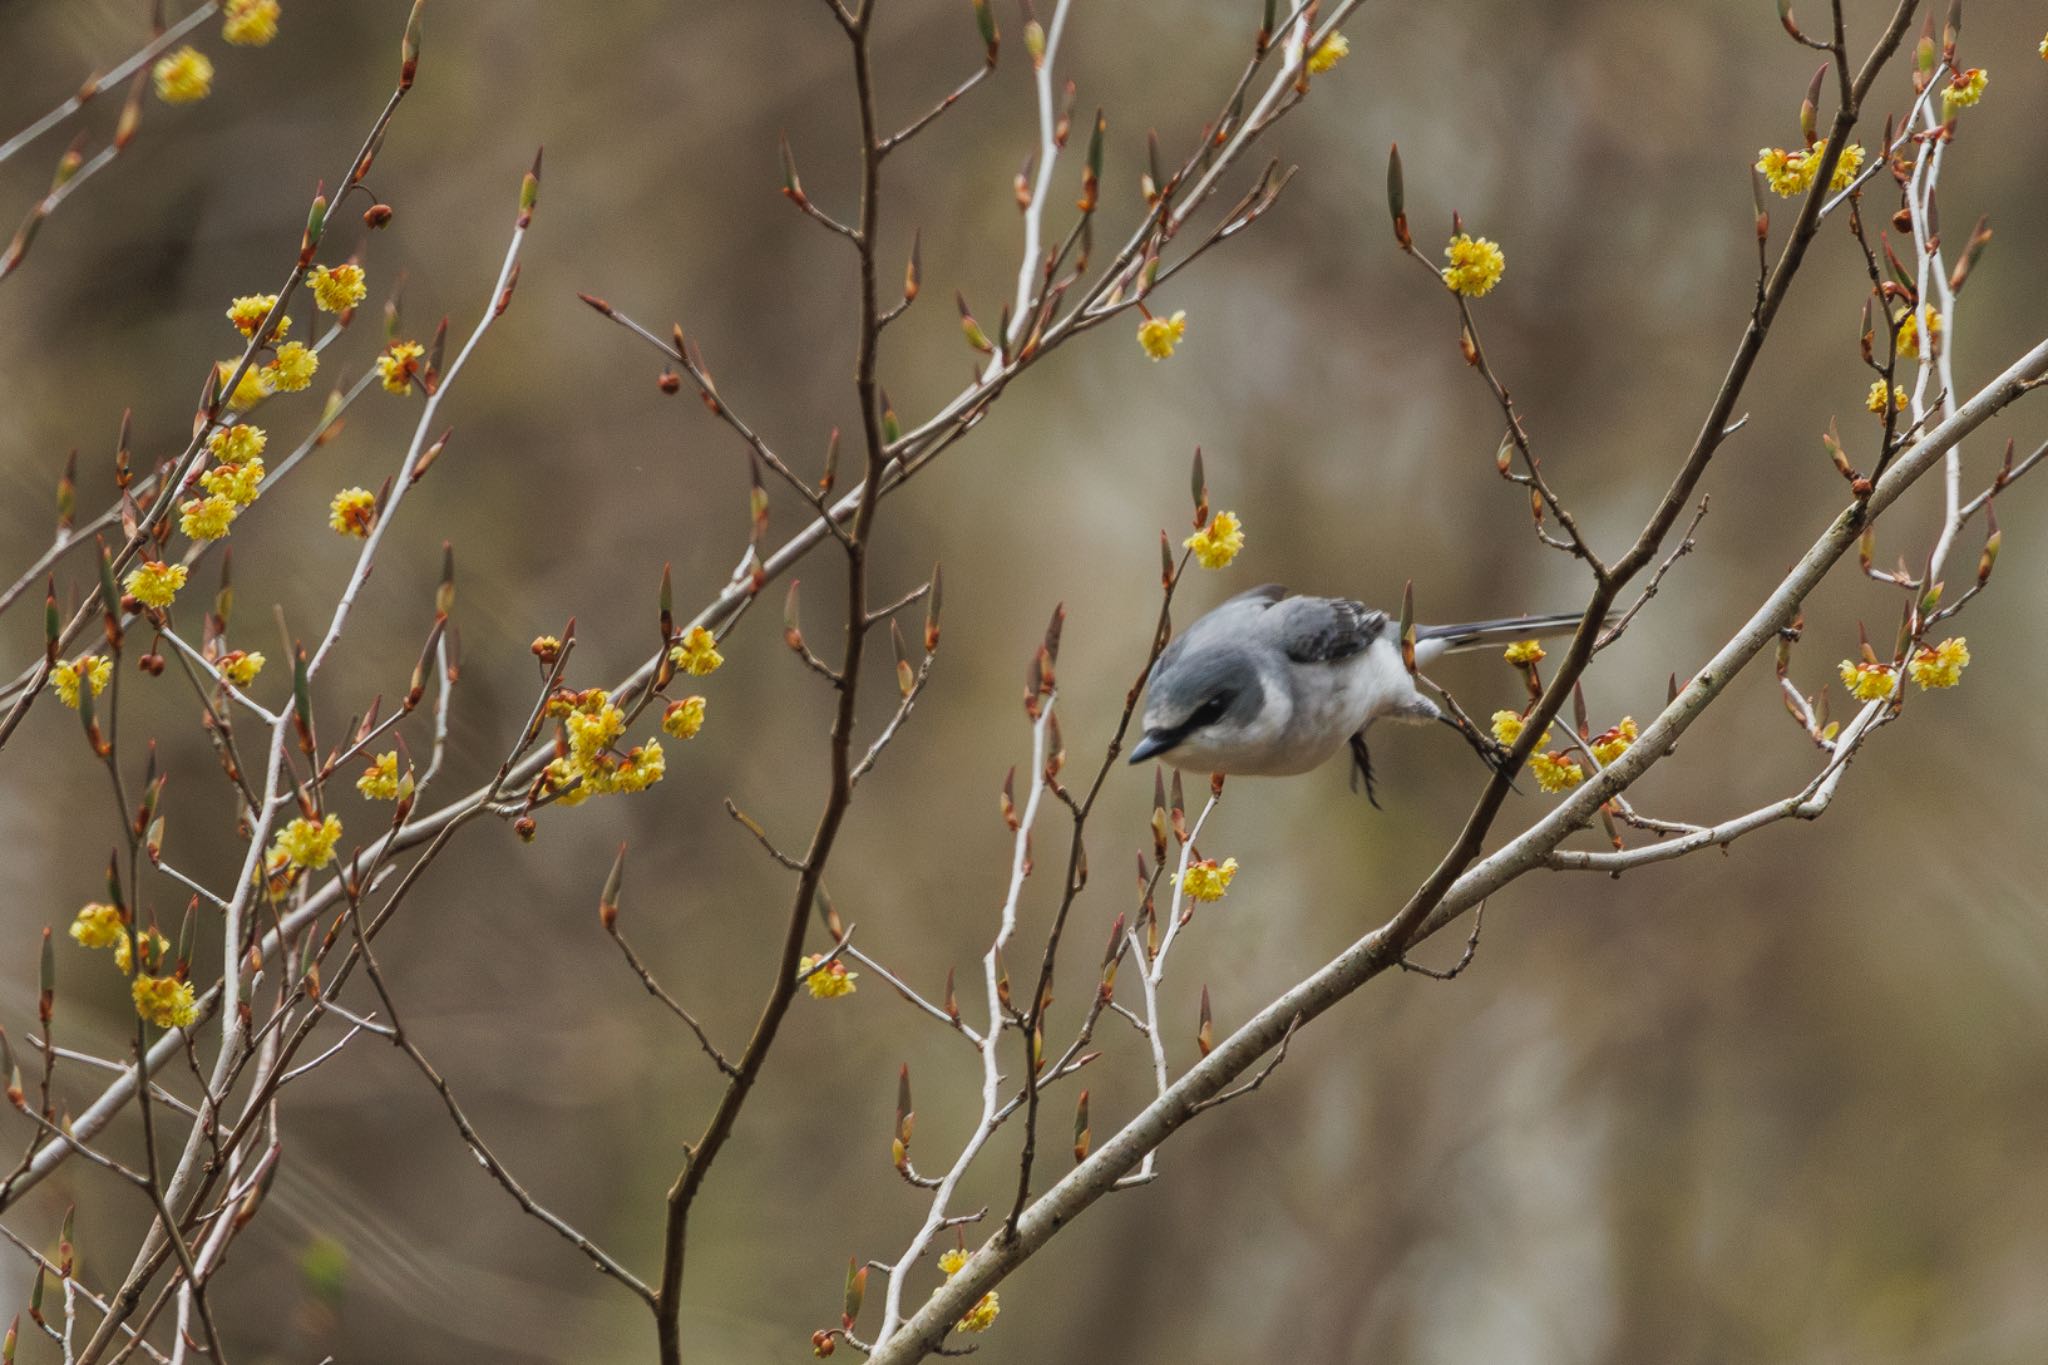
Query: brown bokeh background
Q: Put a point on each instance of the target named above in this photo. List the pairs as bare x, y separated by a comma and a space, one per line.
1784, 1105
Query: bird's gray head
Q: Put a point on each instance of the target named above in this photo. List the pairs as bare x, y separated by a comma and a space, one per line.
1200, 700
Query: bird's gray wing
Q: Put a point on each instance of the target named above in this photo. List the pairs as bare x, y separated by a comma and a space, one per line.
1315, 630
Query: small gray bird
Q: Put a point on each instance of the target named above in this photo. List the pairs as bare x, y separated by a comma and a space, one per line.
1272, 685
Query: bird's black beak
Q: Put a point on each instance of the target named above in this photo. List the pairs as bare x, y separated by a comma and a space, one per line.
1154, 742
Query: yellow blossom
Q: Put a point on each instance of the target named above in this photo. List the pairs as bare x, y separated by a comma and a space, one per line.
1612, 744
248, 312
1874, 401
206, 518
338, 288
642, 767
1476, 265
1523, 653
1846, 165
1867, 681
697, 654
250, 23
684, 718
829, 981
184, 76
1963, 91
1909, 331
1556, 772
235, 482
155, 583
1160, 335
252, 388
1216, 544
165, 1001
1507, 726
91, 667
293, 367
982, 1316
381, 782
1208, 879
237, 443
1333, 50
240, 667
308, 843
154, 945
98, 926
399, 365
352, 512
1792, 172
593, 766
951, 1261
1939, 665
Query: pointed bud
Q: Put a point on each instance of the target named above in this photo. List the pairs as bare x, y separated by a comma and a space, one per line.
1205, 1036
906, 676
608, 899
931, 612
913, 270
409, 46
1198, 488
985, 22
1397, 198
1081, 1133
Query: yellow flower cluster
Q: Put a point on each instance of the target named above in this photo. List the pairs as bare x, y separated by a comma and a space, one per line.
252, 388
828, 982
241, 667
91, 668
1868, 681
982, 1316
339, 288
183, 77
1216, 544
951, 1261
593, 766
1792, 172
238, 483
1611, 744
1874, 401
98, 926
165, 1001
1556, 772
684, 718
1909, 331
1508, 727
1522, 653
1476, 265
697, 654
1160, 335
248, 312
400, 365
1331, 51
206, 518
250, 23
237, 443
155, 583
292, 368
153, 944
1208, 879
352, 512
1963, 91
308, 843
1939, 665
381, 781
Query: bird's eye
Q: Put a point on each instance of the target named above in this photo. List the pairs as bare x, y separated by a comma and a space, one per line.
1212, 710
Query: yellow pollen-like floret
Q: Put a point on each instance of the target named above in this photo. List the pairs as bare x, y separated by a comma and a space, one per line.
1909, 331
1524, 652
399, 364
1867, 681
234, 444
1612, 744
352, 512
155, 583
98, 926
381, 781
250, 23
308, 843
1208, 879
240, 667
1556, 772
1963, 91
1874, 400
93, 669
338, 288
252, 388
697, 652
1216, 544
165, 1001
248, 312
1476, 265
238, 483
206, 518
293, 368
982, 1316
1939, 665
1333, 50
184, 76
1160, 335
684, 718
153, 944
951, 1261
829, 981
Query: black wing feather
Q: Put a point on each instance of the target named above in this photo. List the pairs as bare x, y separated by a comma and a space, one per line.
1322, 629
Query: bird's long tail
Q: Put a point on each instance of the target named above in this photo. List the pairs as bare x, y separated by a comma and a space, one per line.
1431, 641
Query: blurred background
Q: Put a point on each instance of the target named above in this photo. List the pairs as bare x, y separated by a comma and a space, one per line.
1782, 1105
